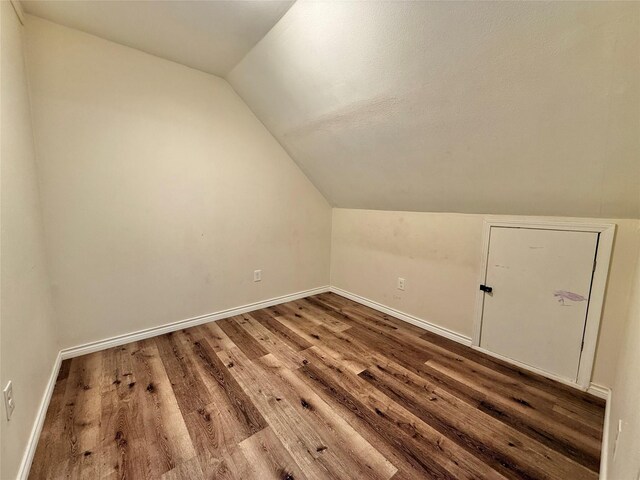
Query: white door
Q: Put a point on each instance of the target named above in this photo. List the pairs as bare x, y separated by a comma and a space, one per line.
540, 283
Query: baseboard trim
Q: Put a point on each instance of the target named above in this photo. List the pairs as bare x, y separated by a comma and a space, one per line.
27, 458
419, 322
604, 452
599, 391
186, 323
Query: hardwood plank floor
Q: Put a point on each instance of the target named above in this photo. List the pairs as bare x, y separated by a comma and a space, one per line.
319, 388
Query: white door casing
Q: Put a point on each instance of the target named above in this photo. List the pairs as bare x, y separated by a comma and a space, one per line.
546, 295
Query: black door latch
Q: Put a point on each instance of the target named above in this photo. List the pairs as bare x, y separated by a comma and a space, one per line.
486, 289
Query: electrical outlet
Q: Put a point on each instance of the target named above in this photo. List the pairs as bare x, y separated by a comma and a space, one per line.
257, 275
615, 443
9, 402
400, 283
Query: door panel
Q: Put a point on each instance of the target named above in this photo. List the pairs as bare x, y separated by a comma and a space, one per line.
541, 282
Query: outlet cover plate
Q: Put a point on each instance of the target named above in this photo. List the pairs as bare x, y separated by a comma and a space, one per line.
9, 402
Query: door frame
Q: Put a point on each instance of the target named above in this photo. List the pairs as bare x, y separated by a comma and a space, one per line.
596, 298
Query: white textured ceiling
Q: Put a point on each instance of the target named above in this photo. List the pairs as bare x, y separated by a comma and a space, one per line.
211, 36
490, 107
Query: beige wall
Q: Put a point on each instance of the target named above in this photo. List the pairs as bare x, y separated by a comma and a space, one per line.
625, 464
439, 255
625, 397
27, 334
162, 192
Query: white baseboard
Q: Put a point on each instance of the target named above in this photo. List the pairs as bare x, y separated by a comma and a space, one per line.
529, 368
443, 332
30, 451
186, 323
599, 391
604, 452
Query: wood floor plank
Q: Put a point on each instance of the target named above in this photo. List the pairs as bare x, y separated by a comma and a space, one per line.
230, 464
230, 417
563, 394
214, 336
232, 401
503, 398
300, 439
189, 469
270, 342
245, 342
424, 456
268, 458
575, 443
165, 432
350, 312
190, 392
587, 408
498, 445
511, 389
512, 392
318, 388
335, 343
366, 461
211, 432
121, 423
78, 429
300, 307
65, 366
268, 320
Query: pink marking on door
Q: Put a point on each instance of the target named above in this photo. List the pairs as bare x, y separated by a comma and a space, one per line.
563, 295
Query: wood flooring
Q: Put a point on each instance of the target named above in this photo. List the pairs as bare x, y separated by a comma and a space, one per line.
319, 388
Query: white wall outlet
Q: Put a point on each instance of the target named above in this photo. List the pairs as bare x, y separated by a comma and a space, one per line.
9, 402
615, 443
257, 275
400, 283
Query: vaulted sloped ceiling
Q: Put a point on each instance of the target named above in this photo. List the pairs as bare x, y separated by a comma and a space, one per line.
528, 108
479, 107
211, 36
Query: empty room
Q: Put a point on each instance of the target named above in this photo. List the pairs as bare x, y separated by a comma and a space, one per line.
309, 240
